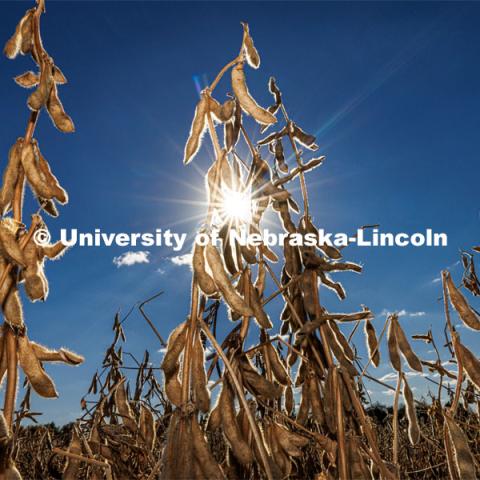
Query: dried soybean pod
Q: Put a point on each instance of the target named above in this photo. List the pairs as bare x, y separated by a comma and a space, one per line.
27, 80
57, 113
341, 340
393, 345
10, 176
36, 283
280, 156
240, 449
372, 343
59, 193
338, 351
289, 400
175, 345
53, 251
14, 44
330, 251
470, 363
357, 464
278, 367
45, 354
232, 129
315, 400
196, 130
214, 421
251, 54
227, 110
278, 454
413, 428
34, 175
329, 401
27, 35
469, 316
147, 427
220, 277
178, 462
309, 290
248, 254
248, 104
58, 76
277, 95
302, 415
214, 108
12, 305
33, 369
330, 284
452, 469
169, 454
228, 136
173, 387
48, 206
73, 465
260, 386
9, 247
303, 138
267, 253
227, 249
203, 456
214, 192
199, 376
205, 281
38, 99
464, 461
261, 317
260, 281
406, 349
123, 407
289, 441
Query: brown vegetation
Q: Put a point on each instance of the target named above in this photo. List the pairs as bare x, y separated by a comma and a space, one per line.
170, 426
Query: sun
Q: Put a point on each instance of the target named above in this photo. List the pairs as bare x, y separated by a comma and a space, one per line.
237, 205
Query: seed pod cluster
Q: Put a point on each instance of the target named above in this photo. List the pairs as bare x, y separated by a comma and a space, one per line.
231, 429
123, 407
31, 357
24, 41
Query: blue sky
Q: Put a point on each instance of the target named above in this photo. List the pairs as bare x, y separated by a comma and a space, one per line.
390, 88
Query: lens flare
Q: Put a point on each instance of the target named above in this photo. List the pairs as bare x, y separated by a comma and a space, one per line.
237, 205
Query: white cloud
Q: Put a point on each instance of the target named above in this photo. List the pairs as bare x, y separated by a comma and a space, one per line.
403, 313
414, 374
389, 376
437, 280
182, 259
128, 259
160, 270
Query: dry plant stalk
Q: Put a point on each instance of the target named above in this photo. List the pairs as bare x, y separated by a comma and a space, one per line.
22, 259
